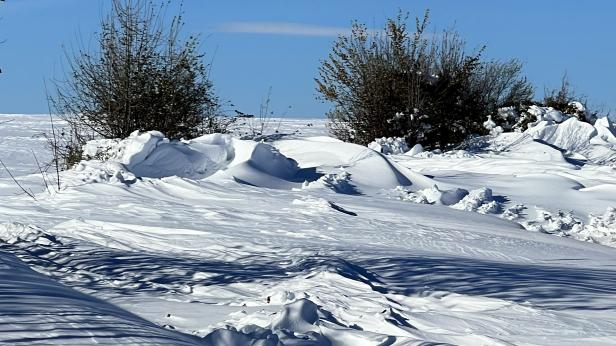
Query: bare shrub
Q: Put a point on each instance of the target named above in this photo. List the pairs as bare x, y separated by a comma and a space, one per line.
425, 88
142, 76
566, 100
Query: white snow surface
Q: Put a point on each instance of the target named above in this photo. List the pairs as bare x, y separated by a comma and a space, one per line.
389, 145
306, 240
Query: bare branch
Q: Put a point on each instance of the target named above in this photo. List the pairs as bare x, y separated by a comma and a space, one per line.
29, 193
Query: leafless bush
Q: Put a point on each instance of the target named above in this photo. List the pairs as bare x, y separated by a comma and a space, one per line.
426, 88
142, 76
566, 100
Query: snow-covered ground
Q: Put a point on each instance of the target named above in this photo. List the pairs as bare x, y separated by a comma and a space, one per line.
306, 240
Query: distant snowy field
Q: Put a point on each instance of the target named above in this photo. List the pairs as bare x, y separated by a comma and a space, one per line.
305, 240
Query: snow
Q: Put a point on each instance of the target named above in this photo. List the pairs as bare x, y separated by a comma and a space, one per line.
38, 310
491, 126
547, 114
416, 149
595, 143
389, 145
305, 240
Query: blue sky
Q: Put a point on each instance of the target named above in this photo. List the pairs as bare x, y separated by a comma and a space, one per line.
256, 45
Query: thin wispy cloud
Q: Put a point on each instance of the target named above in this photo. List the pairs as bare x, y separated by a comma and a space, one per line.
282, 28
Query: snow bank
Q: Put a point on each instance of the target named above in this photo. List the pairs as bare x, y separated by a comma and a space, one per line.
300, 322
570, 135
285, 164
269, 160
550, 140
536, 151
576, 138
606, 132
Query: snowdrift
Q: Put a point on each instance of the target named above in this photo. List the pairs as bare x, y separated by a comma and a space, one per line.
152, 155
596, 143
285, 164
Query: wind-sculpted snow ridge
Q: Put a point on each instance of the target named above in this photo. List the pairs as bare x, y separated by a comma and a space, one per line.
152, 155
595, 143
286, 164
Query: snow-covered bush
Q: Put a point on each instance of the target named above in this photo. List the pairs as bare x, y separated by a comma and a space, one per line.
491, 126
561, 223
601, 228
520, 119
564, 99
389, 145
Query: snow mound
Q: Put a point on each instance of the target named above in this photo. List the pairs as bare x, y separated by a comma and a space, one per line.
433, 195
367, 168
299, 316
416, 149
389, 145
229, 337
452, 154
536, 151
561, 223
479, 200
596, 143
301, 322
570, 135
606, 132
601, 228
108, 171
269, 160
151, 155
264, 166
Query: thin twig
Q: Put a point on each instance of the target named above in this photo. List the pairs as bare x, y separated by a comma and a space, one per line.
55, 139
29, 193
41, 171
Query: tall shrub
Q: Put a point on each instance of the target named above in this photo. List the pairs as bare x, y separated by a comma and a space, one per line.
142, 75
425, 88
